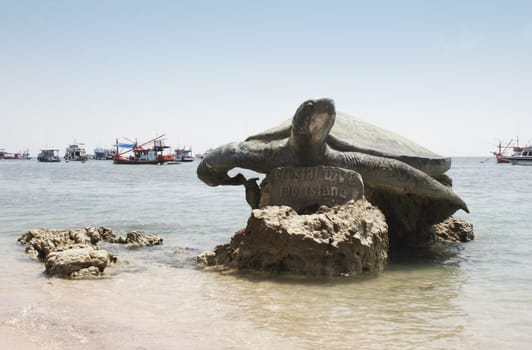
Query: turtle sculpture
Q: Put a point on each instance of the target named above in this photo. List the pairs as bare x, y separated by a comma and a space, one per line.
316, 135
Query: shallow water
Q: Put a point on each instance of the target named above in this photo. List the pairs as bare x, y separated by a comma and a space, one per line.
477, 294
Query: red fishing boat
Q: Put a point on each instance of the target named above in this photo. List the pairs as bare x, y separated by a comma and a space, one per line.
499, 154
19, 155
520, 156
150, 152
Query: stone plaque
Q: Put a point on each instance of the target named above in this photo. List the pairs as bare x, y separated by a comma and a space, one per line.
303, 187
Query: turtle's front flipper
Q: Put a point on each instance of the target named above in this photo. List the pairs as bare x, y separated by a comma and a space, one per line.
214, 168
253, 155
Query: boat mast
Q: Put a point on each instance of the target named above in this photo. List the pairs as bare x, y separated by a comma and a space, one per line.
137, 146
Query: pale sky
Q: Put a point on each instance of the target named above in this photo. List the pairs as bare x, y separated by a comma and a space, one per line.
453, 76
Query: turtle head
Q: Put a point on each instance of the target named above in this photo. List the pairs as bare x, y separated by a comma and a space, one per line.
311, 124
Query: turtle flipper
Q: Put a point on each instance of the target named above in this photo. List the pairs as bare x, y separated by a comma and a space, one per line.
385, 174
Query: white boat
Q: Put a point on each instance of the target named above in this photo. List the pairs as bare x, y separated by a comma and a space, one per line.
76, 152
521, 156
184, 155
49, 156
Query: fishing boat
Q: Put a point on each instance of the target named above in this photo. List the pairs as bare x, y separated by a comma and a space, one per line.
150, 152
104, 153
184, 155
49, 156
18, 156
76, 152
521, 156
502, 152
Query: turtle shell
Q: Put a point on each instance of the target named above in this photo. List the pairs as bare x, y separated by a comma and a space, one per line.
350, 134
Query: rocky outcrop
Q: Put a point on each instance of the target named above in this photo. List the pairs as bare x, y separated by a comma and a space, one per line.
453, 230
342, 240
40, 243
78, 262
140, 239
409, 217
75, 253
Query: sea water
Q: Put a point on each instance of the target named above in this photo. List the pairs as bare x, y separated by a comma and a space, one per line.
473, 295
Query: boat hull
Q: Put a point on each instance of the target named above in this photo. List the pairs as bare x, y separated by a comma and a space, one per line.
521, 161
49, 160
142, 154
501, 160
139, 161
521, 156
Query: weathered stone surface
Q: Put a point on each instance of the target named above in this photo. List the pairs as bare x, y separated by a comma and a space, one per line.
303, 187
75, 253
341, 240
69, 262
40, 243
453, 230
139, 239
99, 234
86, 273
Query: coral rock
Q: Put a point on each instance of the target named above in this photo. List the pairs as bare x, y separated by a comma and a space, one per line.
341, 240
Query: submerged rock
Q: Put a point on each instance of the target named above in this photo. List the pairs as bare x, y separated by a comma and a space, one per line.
75, 253
342, 240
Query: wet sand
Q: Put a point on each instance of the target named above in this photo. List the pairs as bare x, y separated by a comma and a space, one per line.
10, 339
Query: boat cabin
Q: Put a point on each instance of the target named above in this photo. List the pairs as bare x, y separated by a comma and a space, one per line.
49, 155
76, 152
